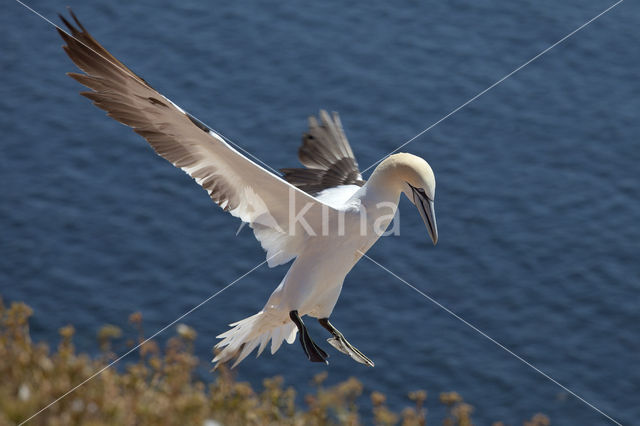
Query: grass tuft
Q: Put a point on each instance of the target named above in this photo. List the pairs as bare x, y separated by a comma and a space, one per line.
160, 387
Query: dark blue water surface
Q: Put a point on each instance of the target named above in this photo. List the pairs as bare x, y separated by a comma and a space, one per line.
537, 197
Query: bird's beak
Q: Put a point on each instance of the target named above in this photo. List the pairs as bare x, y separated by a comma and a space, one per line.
428, 213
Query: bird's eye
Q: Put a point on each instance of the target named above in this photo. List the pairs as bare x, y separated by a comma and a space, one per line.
421, 191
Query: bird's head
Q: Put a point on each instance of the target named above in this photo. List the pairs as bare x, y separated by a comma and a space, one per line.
419, 185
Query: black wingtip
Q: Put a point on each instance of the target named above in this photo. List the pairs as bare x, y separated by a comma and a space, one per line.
61, 32
69, 25
76, 20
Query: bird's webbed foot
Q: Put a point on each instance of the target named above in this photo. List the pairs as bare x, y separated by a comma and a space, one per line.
314, 352
340, 343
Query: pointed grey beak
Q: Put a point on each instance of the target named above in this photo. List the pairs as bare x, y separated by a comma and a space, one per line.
427, 211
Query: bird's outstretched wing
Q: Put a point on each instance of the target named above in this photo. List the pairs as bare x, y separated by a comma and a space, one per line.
238, 185
327, 156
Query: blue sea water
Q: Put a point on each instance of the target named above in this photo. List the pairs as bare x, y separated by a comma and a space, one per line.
537, 198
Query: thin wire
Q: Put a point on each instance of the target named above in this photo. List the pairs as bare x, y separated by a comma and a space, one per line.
496, 83
148, 338
500, 345
225, 138
230, 142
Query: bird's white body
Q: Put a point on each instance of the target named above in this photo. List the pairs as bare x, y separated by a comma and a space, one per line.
314, 281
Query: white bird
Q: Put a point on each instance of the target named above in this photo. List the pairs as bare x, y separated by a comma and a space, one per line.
324, 216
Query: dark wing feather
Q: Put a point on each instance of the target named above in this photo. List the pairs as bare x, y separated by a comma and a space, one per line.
327, 156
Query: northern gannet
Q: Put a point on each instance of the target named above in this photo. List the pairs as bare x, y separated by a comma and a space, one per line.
325, 216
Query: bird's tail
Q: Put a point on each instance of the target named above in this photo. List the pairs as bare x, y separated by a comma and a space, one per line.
251, 332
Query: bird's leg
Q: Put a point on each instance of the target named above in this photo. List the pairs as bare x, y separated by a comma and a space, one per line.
313, 351
340, 343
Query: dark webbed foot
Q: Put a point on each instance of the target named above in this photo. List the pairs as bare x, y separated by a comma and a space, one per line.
314, 352
340, 343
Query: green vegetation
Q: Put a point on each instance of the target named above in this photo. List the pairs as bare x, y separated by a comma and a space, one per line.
160, 387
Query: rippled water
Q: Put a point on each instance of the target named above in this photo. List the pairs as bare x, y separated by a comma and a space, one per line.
537, 197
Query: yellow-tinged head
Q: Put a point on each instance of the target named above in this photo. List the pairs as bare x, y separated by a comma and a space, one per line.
412, 176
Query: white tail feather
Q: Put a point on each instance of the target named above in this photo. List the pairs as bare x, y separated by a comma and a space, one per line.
247, 334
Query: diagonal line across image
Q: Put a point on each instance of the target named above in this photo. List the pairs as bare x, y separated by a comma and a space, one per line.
361, 253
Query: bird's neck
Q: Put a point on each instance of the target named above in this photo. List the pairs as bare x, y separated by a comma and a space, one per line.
385, 183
